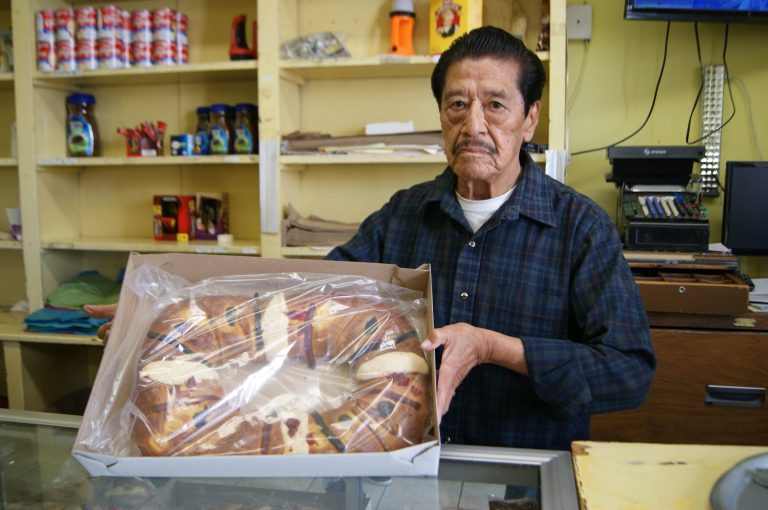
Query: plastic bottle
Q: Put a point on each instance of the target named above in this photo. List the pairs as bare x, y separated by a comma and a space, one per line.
202, 132
246, 129
401, 19
220, 129
82, 130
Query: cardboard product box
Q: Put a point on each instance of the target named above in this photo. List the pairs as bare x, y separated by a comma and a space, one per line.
449, 19
104, 451
212, 216
173, 217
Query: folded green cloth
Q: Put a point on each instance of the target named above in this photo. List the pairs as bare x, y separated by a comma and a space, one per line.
88, 288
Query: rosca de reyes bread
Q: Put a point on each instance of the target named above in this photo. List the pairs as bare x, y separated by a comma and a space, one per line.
302, 370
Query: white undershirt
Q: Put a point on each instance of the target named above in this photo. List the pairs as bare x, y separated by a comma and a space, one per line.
478, 212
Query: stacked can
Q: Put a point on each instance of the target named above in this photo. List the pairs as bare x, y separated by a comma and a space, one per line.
65, 39
126, 37
45, 23
86, 37
164, 50
110, 38
182, 41
141, 38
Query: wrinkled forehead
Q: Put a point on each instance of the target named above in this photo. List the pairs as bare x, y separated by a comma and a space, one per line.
482, 73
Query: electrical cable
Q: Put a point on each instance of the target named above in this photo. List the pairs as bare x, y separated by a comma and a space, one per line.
653, 102
755, 141
730, 92
577, 86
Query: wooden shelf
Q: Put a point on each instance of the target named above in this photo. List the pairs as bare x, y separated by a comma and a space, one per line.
187, 73
8, 162
141, 244
363, 159
10, 244
306, 251
373, 159
12, 330
376, 66
231, 159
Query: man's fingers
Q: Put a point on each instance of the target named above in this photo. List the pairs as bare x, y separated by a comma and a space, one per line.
433, 341
104, 331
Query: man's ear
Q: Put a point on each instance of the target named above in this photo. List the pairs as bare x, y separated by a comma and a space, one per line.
531, 121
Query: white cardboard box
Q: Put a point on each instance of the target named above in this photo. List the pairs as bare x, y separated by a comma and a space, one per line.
112, 387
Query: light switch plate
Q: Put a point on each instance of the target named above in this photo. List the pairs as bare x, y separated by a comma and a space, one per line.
579, 22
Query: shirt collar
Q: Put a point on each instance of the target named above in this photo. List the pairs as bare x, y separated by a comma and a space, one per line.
532, 197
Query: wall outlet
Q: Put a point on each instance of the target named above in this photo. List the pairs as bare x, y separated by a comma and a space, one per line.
579, 22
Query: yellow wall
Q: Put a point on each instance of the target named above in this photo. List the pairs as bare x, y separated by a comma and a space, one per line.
610, 87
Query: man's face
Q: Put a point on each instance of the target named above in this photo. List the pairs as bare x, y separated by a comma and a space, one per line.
484, 124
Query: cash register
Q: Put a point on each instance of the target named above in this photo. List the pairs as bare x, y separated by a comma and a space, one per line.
665, 229
659, 205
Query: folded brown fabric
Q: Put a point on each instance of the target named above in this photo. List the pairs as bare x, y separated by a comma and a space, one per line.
314, 231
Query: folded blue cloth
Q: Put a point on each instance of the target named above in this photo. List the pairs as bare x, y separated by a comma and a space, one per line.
53, 320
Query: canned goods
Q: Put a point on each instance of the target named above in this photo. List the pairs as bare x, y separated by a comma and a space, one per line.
85, 54
183, 54
45, 23
141, 53
110, 21
163, 18
141, 19
65, 55
164, 52
65, 26
85, 23
110, 53
182, 23
46, 58
126, 37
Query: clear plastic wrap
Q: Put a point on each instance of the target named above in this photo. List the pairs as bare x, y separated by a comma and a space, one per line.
281, 363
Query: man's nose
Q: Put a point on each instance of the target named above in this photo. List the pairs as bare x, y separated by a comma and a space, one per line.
474, 122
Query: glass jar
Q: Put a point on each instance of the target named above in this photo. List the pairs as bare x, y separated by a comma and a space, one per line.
220, 129
246, 129
202, 132
82, 130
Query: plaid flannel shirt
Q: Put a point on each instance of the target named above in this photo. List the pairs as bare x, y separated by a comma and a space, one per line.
548, 268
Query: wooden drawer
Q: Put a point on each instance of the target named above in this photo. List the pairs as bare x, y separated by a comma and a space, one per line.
677, 410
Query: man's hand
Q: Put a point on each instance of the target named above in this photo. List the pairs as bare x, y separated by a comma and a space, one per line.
102, 312
465, 347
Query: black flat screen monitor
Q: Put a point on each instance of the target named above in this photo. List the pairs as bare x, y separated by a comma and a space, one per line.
726, 11
745, 209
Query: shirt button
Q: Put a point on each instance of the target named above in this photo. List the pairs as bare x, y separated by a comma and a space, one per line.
464, 296
471, 244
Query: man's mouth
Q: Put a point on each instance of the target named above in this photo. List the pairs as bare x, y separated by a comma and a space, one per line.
475, 147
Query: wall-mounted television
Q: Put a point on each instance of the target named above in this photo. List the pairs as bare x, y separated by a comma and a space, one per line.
745, 207
726, 11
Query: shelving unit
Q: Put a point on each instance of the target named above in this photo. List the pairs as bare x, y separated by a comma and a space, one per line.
90, 213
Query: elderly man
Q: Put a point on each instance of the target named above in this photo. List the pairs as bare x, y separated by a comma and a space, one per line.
538, 320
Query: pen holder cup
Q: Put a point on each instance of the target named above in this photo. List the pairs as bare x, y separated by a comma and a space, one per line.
143, 147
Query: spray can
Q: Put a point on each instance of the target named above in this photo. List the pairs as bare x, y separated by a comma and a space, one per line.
401, 19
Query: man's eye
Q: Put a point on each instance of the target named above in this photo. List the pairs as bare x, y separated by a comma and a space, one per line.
458, 105
495, 105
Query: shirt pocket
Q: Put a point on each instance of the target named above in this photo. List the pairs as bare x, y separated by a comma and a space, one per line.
533, 305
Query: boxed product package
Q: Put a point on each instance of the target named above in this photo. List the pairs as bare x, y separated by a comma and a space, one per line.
173, 217
212, 215
229, 366
448, 19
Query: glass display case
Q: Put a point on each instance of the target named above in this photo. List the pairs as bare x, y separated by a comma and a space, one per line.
37, 470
